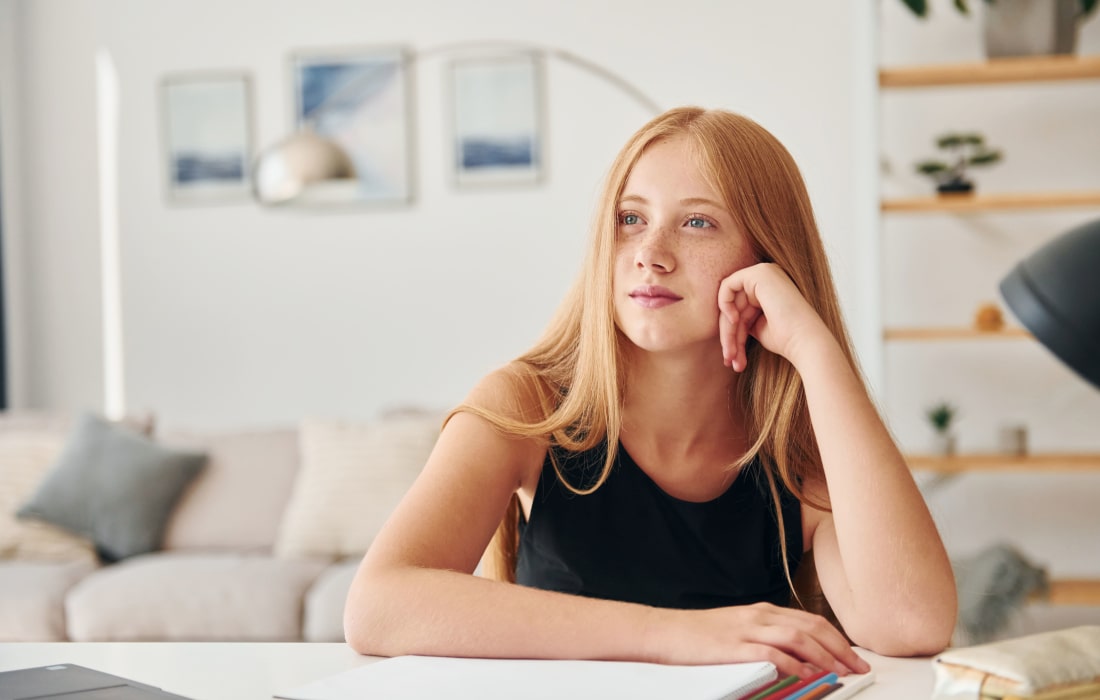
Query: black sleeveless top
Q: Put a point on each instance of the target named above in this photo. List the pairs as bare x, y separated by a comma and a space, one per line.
631, 541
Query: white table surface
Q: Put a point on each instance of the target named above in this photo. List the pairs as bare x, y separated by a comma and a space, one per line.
255, 671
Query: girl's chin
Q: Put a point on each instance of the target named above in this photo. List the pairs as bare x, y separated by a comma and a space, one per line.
703, 347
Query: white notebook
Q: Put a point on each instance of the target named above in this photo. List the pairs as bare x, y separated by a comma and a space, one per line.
433, 677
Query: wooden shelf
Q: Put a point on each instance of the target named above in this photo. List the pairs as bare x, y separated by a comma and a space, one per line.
989, 202
1051, 461
1002, 70
1072, 592
960, 333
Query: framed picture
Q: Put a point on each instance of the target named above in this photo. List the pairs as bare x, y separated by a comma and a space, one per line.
207, 121
497, 107
360, 100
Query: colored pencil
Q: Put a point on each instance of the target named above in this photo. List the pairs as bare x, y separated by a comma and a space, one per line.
795, 687
772, 687
828, 679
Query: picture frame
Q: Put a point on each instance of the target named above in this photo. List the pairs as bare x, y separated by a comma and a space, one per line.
208, 144
361, 100
497, 107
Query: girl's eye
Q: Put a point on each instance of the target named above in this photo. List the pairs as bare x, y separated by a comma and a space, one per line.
630, 219
698, 222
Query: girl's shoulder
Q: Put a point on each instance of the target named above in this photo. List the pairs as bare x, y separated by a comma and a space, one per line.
516, 392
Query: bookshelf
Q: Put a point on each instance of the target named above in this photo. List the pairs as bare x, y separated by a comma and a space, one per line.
1030, 69
959, 463
974, 203
953, 333
1045, 69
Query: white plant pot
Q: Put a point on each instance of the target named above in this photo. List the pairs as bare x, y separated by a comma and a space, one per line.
943, 444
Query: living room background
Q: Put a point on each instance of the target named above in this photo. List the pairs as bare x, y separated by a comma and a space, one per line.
235, 315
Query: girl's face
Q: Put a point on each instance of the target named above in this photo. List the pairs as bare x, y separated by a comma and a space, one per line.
675, 243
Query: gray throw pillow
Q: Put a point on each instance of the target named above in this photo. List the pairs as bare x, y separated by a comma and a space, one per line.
114, 486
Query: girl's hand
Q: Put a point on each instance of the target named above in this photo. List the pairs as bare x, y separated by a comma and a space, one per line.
797, 642
761, 301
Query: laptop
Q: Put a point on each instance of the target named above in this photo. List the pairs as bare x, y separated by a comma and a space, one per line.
72, 682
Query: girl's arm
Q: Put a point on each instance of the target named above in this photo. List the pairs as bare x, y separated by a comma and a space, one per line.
414, 592
879, 558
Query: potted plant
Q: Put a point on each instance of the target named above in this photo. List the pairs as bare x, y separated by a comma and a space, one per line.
941, 416
1024, 27
920, 7
966, 150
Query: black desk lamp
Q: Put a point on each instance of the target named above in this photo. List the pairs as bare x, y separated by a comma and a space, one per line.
1055, 292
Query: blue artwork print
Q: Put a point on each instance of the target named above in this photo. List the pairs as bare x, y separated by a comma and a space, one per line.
359, 102
191, 167
488, 152
207, 137
497, 108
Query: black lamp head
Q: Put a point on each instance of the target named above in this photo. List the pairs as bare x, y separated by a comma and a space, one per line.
1055, 292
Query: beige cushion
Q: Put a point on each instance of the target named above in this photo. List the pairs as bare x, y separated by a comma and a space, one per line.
26, 455
352, 476
31, 598
324, 618
176, 596
238, 499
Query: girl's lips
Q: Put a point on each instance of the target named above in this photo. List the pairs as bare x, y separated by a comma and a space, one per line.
654, 296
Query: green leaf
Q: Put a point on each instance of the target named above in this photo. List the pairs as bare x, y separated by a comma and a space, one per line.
961, 6
955, 140
919, 7
941, 415
985, 158
950, 140
931, 167
1088, 6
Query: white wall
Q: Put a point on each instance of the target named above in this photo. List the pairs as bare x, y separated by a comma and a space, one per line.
51, 224
235, 315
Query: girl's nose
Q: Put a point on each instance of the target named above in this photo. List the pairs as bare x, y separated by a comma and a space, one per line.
655, 251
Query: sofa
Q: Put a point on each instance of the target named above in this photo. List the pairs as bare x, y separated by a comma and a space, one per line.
255, 537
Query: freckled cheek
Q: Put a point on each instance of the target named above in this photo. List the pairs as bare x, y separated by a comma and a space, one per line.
712, 269
624, 263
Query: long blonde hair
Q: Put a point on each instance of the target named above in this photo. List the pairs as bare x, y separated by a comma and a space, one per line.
577, 367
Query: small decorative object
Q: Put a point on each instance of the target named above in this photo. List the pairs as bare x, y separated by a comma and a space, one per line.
966, 150
497, 119
942, 415
1014, 440
989, 318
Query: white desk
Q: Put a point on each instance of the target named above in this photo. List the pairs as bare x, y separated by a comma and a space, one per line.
255, 671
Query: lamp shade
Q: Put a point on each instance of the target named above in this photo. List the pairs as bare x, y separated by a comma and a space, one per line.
284, 171
1055, 292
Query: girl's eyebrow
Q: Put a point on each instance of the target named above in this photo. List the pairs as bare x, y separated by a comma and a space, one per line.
702, 200
688, 201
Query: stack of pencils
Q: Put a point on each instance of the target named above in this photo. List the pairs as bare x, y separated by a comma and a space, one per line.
816, 686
